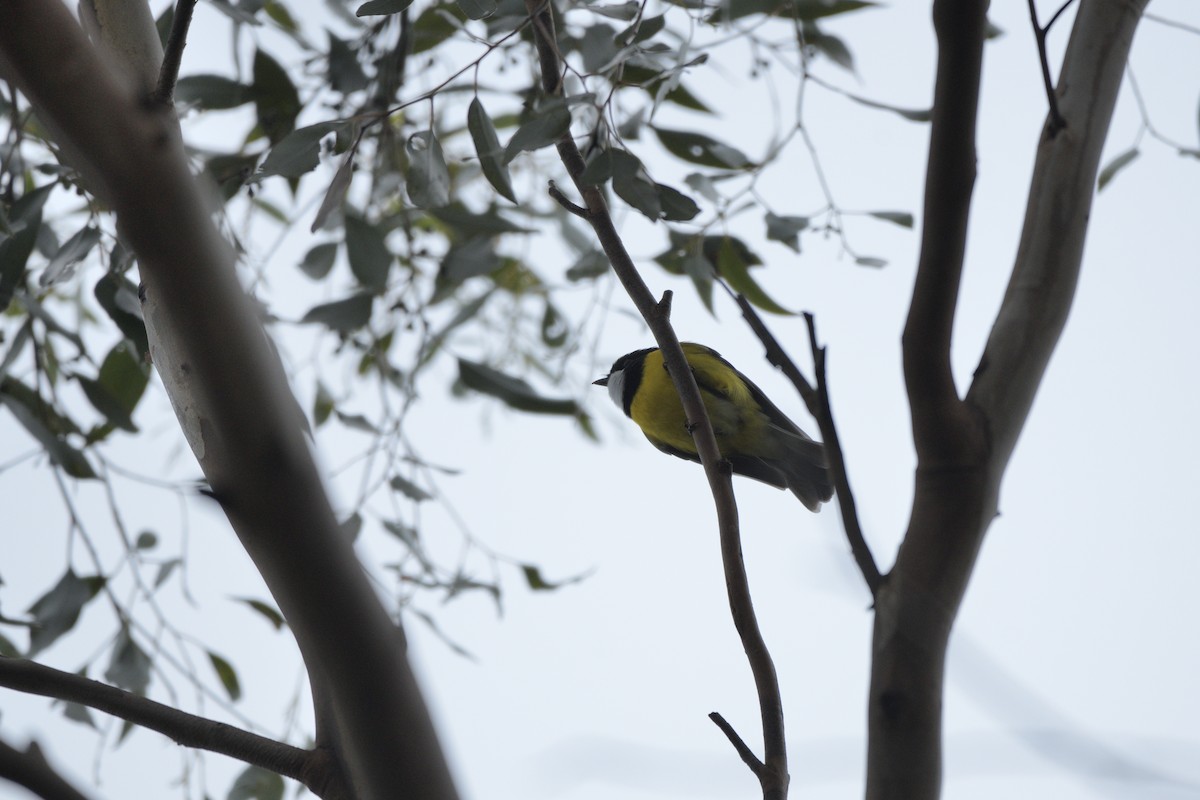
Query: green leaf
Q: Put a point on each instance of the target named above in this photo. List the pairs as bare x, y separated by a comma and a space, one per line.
471, 259
428, 177
318, 261
550, 121
533, 577
433, 26
342, 315
116, 391
69, 254
351, 526
46, 426
227, 675
129, 668
77, 712
870, 261
164, 571
335, 195
599, 167
256, 783
269, 612
356, 422
700, 149
901, 218
409, 489
591, 264
376, 8
276, 101
477, 9
830, 46
700, 270
676, 206
734, 270
803, 10
298, 152
467, 224
554, 327
910, 114
1116, 165
785, 229
118, 296
345, 74
212, 92
487, 147
57, 611
323, 405
640, 31
146, 540
14, 254
633, 185
513, 391
367, 251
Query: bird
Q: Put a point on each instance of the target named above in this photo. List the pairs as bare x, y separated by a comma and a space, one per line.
754, 436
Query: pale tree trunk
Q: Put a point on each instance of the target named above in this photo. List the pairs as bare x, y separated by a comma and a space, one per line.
964, 444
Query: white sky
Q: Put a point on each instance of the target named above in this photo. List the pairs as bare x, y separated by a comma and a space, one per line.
1075, 657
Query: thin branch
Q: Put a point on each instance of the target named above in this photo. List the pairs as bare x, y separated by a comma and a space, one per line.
186, 729
837, 468
939, 418
774, 777
566, 202
164, 93
742, 748
29, 769
1057, 123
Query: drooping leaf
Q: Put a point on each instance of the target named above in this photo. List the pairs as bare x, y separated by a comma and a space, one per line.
335, 195
118, 296
276, 101
676, 206
554, 327
298, 152
212, 92
356, 421
598, 168
1116, 165
351, 526
146, 540
549, 122
830, 46
72, 251
902, 218
785, 229
374, 8
434, 25
129, 668
871, 261
634, 186
14, 254
164, 571
513, 391
47, 426
428, 177
118, 388
734, 270
367, 251
409, 489
343, 316
591, 264
256, 783
318, 261
267, 611
57, 611
701, 272
467, 224
700, 149
640, 31
345, 73
487, 147
227, 675
471, 259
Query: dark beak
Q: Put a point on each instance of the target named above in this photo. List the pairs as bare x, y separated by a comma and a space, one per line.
601, 382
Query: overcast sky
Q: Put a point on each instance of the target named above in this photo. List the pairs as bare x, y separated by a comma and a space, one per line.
1073, 668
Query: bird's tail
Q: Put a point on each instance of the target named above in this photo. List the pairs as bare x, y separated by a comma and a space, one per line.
806, 470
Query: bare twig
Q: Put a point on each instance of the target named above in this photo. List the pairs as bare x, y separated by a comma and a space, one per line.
1057, 123
742, 748
164, 93
837, 468
774, 776
817, 401
566, 202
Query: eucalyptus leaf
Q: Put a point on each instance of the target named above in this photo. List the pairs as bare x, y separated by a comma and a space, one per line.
428, 176
487, 147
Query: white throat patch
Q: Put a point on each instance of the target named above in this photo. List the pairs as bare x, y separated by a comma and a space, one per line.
616, 387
